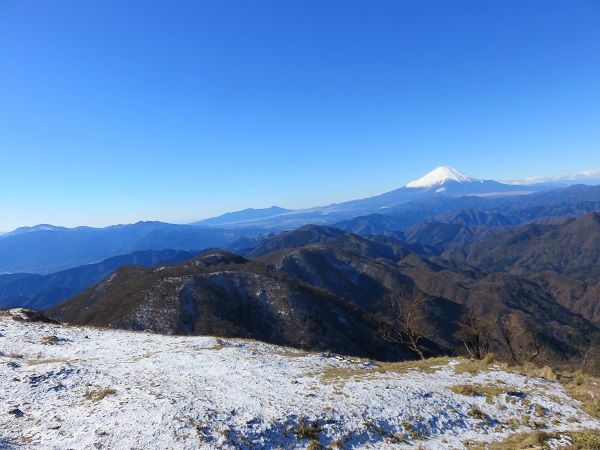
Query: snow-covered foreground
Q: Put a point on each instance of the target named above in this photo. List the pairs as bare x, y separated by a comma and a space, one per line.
72, 387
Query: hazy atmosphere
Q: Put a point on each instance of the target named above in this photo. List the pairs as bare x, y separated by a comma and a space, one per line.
114, 112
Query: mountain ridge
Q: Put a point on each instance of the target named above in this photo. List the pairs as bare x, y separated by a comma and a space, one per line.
443, 181
47, 250
311, 279
247, 214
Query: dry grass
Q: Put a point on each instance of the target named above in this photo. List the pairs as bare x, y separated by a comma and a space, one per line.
314, 445
513, 423
306, 430
520, 441
476, 413
50, 340
430, 365
336, 443
413, 432
466, 389
586, 389
37, 362
473, 366
473, 390
290, 352
545, 372
581, 440
584, 440
96, 395
529, 370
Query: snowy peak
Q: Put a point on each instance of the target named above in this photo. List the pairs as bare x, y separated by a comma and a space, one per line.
440, 176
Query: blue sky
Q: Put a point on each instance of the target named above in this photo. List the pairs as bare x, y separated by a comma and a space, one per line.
119, 111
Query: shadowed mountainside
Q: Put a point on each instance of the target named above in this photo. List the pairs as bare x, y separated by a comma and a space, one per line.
563, 259
43, 291
331, 294
223, 294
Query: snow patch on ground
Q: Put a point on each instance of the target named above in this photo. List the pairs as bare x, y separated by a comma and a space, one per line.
75, 387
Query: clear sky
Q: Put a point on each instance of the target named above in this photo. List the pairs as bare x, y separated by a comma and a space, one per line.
119, 111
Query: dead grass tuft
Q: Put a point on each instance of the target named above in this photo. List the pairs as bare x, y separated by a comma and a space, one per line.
466, 389
473, 390
96, 395
430, 365
521, 441
413, 432
476, 413
546, 372
585, 440
586, 389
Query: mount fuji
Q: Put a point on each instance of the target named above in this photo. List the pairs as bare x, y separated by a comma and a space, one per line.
440, 176
453, 183
443, 181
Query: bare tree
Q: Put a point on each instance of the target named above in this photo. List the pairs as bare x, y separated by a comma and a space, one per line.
522, 339
507, 332
535, 345
407, 324
591, 358
476, 333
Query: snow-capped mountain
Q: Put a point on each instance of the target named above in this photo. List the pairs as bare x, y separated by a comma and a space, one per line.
440, 176
450, 182
443, 181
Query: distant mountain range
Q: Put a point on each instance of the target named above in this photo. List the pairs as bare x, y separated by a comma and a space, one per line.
43, 291
244, 216
321, 288
529, 262
45, 249
441, 182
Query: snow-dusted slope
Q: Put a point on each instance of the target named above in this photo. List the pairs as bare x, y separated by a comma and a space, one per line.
440, 176
70, 387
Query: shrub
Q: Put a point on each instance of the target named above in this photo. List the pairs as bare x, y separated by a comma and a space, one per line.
307, 431
412, 431
314, 445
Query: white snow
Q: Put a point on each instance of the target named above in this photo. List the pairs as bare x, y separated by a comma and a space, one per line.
440, 176
74, 387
